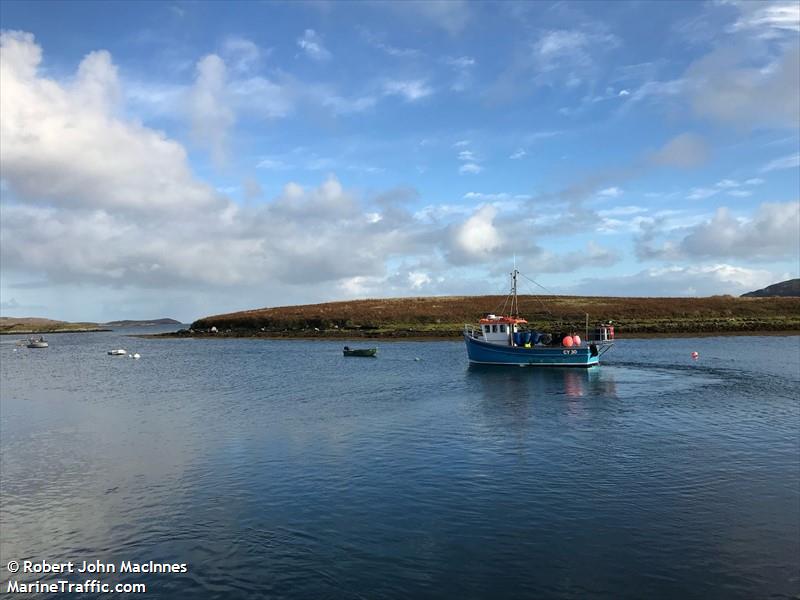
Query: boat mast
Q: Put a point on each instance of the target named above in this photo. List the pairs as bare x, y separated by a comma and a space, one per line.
514, 302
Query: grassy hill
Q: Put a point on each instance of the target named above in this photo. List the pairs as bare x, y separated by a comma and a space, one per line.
445, 316
790, 287
21, 325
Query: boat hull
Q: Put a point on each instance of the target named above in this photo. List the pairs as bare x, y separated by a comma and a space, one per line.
361, 352
483, 353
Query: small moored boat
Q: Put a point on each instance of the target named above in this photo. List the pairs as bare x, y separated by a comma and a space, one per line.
118, 352
37, 343
360, 351
508, 340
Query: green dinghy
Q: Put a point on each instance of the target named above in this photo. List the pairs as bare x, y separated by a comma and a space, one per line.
348, 351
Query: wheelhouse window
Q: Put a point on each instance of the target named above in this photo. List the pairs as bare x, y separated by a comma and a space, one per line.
502, 328
494, 328
487, 328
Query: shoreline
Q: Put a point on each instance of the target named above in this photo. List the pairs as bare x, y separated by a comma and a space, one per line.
49, 331
436, 337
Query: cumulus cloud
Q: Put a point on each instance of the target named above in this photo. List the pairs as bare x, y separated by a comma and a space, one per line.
477, 237
79, 179
771, 232
489, 236
209, 107
60, 149
418, 279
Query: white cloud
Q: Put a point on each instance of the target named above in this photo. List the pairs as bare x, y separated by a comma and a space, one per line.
376, 41
409, 90
90, 198
272, 164
768, 19
418, 279
209, 108
785, 162
727, 183
466, 156
461, 144
509, 200
520, 153
470, 168
460, 62
243, 54
311, 43
61, 150
569, 48
700, 193
731, 187
477, 236
621, 211
771, 232
611, 192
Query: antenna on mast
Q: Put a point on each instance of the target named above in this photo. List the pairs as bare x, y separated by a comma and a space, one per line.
514, 301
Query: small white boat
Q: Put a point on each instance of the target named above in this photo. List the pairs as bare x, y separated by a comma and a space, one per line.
40, 343
119, 352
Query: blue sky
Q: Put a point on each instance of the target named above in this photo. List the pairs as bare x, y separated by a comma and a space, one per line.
184, 159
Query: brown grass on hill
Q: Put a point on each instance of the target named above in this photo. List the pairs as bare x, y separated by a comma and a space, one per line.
446, 313
9, 325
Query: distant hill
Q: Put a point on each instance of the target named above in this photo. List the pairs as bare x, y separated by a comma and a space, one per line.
790, 287
146, 323
41, 325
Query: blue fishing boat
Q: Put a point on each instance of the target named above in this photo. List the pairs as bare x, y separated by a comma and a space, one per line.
507, 340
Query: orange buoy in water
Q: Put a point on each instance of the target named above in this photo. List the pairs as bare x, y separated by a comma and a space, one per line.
695, 355
576, 339
567, 341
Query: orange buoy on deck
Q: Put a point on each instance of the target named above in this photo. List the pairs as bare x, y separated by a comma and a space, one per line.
567, 341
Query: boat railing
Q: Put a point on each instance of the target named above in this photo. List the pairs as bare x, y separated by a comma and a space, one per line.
472, 331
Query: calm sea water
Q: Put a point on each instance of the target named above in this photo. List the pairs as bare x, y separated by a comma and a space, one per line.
280, 469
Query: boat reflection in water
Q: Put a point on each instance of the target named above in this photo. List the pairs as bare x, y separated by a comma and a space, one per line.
530, 384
